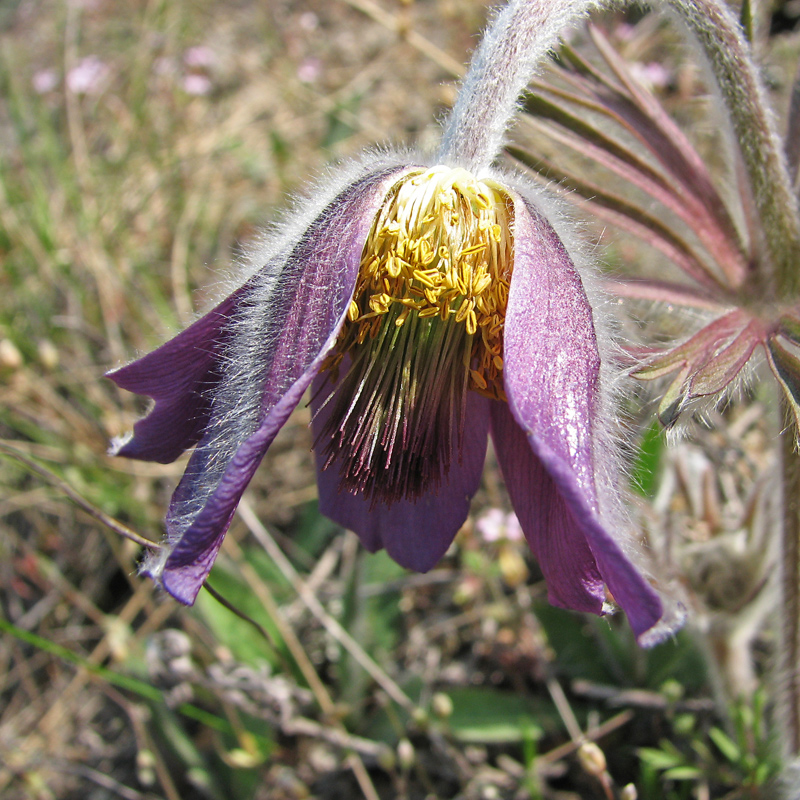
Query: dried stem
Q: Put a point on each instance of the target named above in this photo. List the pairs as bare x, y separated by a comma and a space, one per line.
80, 501
789, 636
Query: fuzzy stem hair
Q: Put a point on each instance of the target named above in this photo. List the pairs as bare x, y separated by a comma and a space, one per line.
731, 60
513, 48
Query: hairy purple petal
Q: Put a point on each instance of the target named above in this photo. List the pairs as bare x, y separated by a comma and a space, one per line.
285, 326
555, 536
550, 334
415, 534
193, 556
179, 376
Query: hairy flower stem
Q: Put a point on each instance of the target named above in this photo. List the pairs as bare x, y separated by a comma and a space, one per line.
513, 48
729, 54
789, 636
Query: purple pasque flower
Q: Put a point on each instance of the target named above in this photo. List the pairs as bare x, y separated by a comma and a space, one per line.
427, 308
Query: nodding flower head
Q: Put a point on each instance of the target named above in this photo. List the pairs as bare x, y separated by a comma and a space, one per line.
427, 307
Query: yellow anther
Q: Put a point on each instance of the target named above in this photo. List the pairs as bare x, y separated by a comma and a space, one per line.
432, 296
479, 380
380, 303
440, 248
394, 266
481, 282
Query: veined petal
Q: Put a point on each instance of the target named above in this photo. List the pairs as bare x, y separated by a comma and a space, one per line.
415, 534
287, 320
179, 376
552, 377
555, 537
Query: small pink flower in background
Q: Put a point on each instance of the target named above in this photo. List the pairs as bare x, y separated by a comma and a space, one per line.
652, 74
309, 21
309, 70
495, 525
196, 84
44, 81
199, 56
625, 31
88, 77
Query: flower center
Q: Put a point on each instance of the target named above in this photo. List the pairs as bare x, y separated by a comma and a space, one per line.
425, 326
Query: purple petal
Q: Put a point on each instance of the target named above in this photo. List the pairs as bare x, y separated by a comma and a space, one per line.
552, 373
305, 304
557, 540
192, 557
415, 534
179, 376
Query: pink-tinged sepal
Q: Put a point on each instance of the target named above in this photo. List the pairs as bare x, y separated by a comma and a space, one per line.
706, 364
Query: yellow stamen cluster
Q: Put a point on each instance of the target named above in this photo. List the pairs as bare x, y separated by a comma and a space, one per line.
440, 246
424, 328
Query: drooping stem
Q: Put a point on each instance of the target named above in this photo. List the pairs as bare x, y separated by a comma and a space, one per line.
729, 54
789, 635
513, 47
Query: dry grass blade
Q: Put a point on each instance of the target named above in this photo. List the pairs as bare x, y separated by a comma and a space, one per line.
264, 538
59, 483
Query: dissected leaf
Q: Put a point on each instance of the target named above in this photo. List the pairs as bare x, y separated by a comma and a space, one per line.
687, 190
626, 215
662, 292
727, 363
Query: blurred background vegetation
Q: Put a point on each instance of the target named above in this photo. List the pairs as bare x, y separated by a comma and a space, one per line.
141, 145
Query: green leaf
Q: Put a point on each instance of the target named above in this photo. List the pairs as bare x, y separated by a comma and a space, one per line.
683, 774
725, 745
645, 467
659, 759
235, 633
747, 20
493, 716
